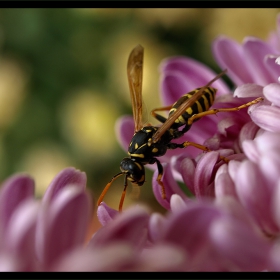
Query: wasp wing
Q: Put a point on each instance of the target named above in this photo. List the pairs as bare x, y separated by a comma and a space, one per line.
135, 76
182, 108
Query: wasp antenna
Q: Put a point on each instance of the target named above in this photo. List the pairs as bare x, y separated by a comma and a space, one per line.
101, 197
216, 78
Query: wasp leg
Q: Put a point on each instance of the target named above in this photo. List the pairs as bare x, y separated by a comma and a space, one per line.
159, 117
215, 111
160, 173
198, 146
101, 197
123, 194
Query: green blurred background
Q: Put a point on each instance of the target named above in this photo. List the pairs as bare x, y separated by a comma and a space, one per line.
63, 82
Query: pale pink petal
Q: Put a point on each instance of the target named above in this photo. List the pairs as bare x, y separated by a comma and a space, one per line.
124, 128
14, 191
276, 203
111, 258
177, 203
156, 223
248, 132
255, 51
63, 226
267, 117
248, 90
272, 93
250, 148
272, 66
224, 186
130, 226
105, 214
229, 54
65, 177
188, 170
243, 249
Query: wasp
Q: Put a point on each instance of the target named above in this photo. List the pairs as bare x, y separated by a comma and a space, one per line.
150, 142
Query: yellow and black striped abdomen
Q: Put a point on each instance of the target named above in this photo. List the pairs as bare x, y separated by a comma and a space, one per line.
201, 105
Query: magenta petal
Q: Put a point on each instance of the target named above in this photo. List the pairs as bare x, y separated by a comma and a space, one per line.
267, 117
14, 190
248, 90
255, 51
194, 72
171, 187
131, 227
229, 55
124, 128
203, 179
63, 226
65, 177
243, 249
105, 214
272, 93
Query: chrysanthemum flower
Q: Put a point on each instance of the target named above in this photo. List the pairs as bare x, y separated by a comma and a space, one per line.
237, 227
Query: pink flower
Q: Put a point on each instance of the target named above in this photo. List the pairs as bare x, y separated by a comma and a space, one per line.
36, 234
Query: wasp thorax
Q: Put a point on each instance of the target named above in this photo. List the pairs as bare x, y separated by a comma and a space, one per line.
134, 171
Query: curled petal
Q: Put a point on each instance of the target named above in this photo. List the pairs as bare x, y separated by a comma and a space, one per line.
229, 55
267, 117
14, 191
156, 224
272, 93
105, 214
65, 177
248, 90
55, 236
250, 148
124, 128
131, 226
272, 66
188, 170
248, 132
177, 203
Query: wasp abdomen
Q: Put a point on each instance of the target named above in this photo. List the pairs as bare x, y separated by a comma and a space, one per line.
201, 105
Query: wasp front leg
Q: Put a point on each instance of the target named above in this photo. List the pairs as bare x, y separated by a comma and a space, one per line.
160, 173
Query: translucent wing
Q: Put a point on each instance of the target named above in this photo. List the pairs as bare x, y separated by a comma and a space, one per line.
135, 76
182, 109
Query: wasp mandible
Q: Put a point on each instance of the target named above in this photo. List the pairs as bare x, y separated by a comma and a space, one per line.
150, 142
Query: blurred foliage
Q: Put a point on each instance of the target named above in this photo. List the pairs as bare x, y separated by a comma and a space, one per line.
63, 81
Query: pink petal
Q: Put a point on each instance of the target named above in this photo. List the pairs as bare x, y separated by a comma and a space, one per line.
188, 170
124, 128
224, 186
203, 178
267, 117
248, 132
177, 203
65, 177
21, 233
255, 51
276, 203
113, 257
63, 226
251, 150
196, 73
130, 226
170, 185
272, 93
272, 66
229, 55
248, 90
239, 245
14, 190
105, 214
156, 224
189, 228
